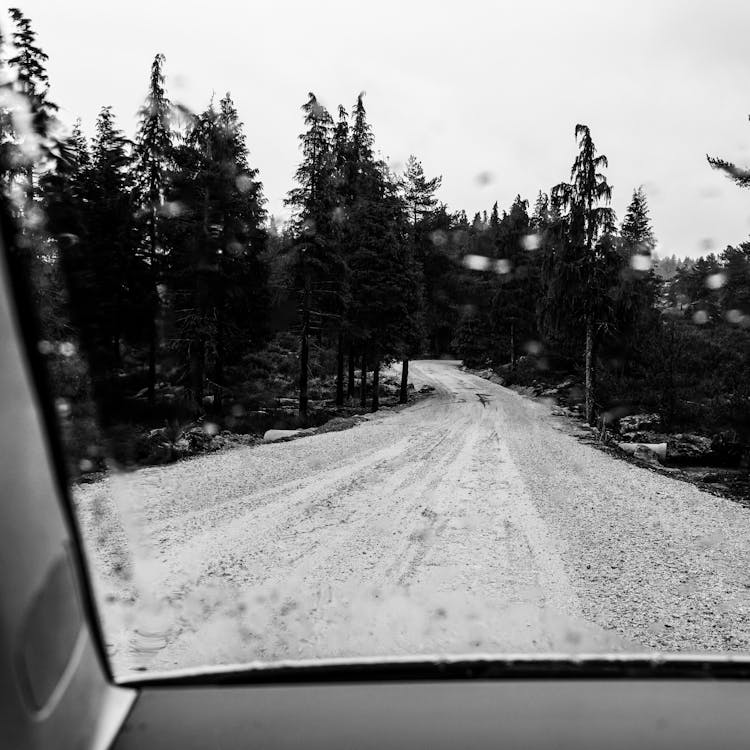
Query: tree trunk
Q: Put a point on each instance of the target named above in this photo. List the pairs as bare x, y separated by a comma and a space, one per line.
363, 383
512, 346
153, 338
590, 371
219, 366
196, 370
375, 385
304, 355
350, 383
403, 395
340, 371
152, 363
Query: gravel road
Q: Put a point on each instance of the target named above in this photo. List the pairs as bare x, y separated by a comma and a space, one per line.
473, 521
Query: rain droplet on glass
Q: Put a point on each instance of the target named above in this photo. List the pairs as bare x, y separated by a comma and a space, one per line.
716, 280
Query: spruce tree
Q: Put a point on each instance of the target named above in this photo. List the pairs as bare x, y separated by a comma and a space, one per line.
514, 293
419, 195
636, 232
419, 192
383, 313
494, 217
153, 147
343, 186
637, 291
215, 240
541, 216
578, 277
314, 203
30, 64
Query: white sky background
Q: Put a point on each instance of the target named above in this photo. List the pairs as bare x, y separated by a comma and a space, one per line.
468, 87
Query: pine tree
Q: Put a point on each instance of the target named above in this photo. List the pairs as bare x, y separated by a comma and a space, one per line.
383, 315
636, 232
579, 281
739, 175
314, 203
513, 294
153, 147
419, 196
494, 217
540, 218
89, 200
29, 62
636, 293
419, 192
215, 243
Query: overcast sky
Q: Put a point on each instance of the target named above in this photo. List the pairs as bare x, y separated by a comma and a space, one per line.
469, 87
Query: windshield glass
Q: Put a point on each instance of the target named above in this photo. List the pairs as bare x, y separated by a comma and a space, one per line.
460, 365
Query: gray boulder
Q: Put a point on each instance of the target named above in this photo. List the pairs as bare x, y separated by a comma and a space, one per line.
639, 422
646, 453
689, 447
645, 450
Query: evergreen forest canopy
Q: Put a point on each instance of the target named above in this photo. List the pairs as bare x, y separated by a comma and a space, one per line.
190, 303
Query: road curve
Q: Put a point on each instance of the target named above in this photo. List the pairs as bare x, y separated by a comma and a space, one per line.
473, 521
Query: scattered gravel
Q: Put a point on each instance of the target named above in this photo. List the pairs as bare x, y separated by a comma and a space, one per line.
472, 521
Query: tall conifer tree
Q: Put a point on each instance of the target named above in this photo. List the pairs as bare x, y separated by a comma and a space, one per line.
153, 151
577, 288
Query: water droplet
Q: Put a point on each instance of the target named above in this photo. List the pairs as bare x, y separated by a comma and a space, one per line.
244, 183
235, 249
172, 209
63, 407
716, 280
531, 241
67, 348
34, 218
640, 262
438, 238
502, 266
477, 262
700, 317
734, 316
210, 428
45, 347
484, 178
533, 347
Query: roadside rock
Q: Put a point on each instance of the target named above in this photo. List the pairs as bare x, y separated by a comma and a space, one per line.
645, 437
339, 423
646, 453
182, 447
198, 440
639, 423
273, 436
645, 450
688, 448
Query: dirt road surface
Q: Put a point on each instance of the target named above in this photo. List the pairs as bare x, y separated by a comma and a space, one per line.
473, 521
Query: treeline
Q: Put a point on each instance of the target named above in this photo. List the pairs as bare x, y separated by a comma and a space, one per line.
181, 292
189, 300
582, 295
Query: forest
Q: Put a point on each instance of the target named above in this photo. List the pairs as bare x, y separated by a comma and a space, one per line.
169, 299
